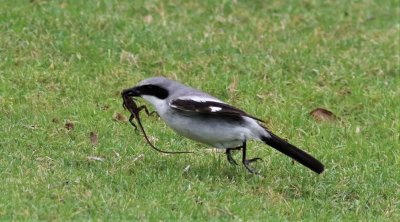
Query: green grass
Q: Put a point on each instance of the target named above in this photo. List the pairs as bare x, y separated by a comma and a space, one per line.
67, 61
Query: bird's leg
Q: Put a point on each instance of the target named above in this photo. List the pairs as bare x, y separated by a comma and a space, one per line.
228, 153
247, 162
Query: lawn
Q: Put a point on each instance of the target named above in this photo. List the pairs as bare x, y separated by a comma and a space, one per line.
68, 153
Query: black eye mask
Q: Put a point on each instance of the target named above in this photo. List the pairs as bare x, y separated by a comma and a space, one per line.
153, 90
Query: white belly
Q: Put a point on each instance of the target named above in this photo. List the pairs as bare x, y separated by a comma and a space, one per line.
211, 131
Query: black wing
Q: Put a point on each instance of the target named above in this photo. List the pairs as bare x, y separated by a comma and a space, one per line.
210, 107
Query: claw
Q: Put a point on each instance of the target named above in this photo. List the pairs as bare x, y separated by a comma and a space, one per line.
228, 153
230, 159
246, 163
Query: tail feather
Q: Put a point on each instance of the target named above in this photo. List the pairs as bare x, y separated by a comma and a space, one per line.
294, 152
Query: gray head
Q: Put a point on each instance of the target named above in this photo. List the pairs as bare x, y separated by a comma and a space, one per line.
161, 88
158, 80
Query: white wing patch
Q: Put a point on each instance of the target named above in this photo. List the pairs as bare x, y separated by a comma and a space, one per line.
215, 108
173, 106
199, 99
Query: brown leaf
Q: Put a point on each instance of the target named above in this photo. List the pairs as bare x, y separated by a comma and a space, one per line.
93, 138
69, 125
119, 117
232, 87
321, 114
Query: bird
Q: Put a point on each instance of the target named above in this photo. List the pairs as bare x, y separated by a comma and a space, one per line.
204, 118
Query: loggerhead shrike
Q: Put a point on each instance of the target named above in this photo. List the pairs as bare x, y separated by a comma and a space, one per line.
206, 119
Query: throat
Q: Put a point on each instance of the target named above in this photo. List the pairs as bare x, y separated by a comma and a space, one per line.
159, 104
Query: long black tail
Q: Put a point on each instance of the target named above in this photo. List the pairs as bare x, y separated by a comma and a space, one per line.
294, 152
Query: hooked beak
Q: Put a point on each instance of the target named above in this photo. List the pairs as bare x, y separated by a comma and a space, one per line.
131, 92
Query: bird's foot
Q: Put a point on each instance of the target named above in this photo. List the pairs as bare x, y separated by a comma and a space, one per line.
246, 163
231, 160
228, 153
